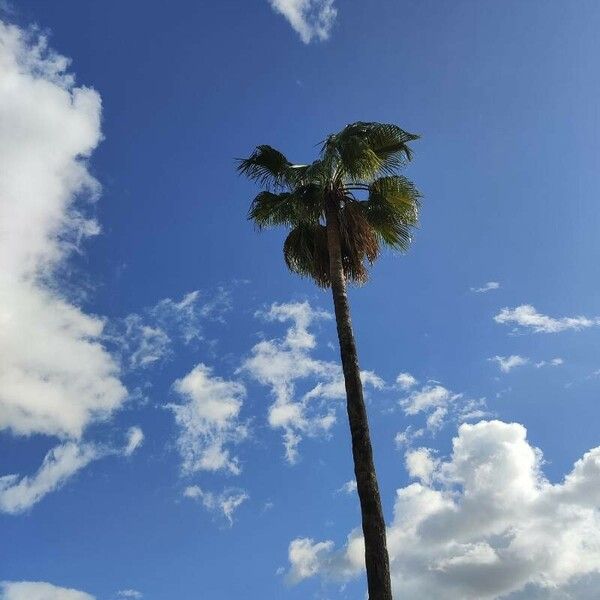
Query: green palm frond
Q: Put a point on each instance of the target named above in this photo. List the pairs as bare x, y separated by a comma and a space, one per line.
303, 205
392, 210
362, 150
362, 158
269, 167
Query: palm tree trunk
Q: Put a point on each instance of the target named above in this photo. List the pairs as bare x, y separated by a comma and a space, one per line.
373, 524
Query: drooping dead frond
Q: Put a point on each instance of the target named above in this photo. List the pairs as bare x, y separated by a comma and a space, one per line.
305, 252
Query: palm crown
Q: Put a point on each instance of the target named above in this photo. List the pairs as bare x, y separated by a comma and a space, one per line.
358, 170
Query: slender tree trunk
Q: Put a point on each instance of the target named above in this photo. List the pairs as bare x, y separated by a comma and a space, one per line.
373, 524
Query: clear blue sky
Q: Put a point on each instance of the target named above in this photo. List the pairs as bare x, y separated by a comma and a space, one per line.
505, 98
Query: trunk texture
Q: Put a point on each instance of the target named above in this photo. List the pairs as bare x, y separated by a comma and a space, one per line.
373, 524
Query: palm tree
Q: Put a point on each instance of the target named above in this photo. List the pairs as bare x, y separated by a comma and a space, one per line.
340, 210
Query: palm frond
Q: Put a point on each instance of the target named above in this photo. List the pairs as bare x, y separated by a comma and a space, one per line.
364, 150
305, 252
302, 205
360, 244
270, 168
392, 210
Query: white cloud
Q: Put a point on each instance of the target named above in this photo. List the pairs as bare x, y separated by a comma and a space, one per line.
281, 363
135, 438
486, 287
438, 405
311, 19
348, 488
508, 363
55, 376
427, 398
405, 381
483, 524
555, 362
420, 463
208, 420
406, 437
130, 594
527, 316
38, 590
226, 502
146, 339
62, 462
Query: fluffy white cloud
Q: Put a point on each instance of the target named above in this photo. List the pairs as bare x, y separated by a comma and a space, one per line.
38, 590
281, 363
208, 420
507, 363
528, 317
405, 381
311, 19
421, 464
61, 463
483, 524
486, 287
225, 503
55, 376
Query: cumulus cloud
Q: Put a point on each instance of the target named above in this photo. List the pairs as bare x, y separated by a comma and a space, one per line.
282, 363
226, 502
208, 420
55, 376
483, 524
486, 287
38, 590
508, 363
310, 19
421, 463
526, 316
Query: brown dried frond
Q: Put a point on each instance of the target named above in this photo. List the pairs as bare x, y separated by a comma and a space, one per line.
360, 243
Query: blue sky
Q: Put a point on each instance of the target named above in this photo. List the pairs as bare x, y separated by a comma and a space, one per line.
171, 420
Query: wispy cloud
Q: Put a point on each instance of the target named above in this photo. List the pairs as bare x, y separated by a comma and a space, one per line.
508, 363
311, 19
555, 362
225, 503
486, 287
348, 488
528, 317
60, 464
130, 594
438, 405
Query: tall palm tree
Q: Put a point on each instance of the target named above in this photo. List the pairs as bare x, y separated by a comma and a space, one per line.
340, 210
